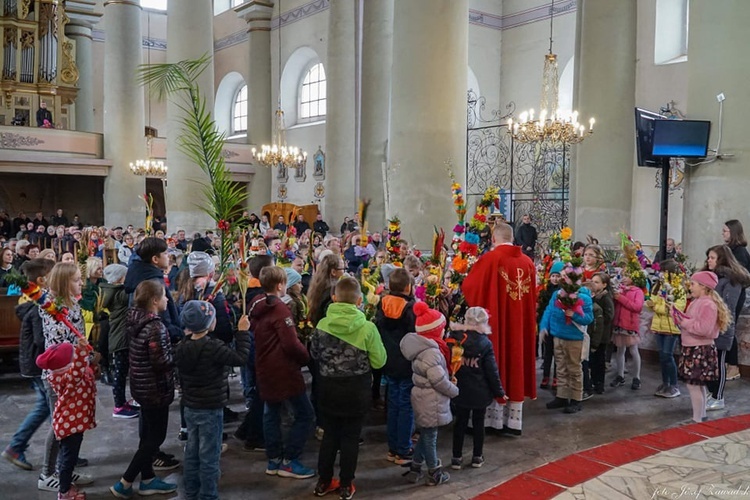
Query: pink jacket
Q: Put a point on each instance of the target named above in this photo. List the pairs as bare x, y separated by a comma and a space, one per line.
698, 324
628, 309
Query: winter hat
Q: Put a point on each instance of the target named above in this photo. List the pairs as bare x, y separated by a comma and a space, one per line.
200, 264
115, 272
705, 278
477, 319
557, 267
197, 315
292, 277
431, 324
55, 357
385, 272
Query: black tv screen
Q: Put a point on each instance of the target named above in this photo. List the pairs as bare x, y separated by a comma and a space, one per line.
644, 136
681, 138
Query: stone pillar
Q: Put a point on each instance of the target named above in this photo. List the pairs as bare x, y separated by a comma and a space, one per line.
123, 113
717, 192
377, 59
82, 19
257, 14
340, 200
428, 113
602, 173
189, 36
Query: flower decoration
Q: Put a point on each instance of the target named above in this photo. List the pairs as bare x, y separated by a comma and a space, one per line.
394, 237
567, 296
566, 233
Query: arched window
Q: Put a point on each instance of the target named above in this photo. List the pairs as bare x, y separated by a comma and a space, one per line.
239, 112
312, 96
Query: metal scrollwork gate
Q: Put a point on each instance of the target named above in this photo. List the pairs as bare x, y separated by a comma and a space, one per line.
533, 178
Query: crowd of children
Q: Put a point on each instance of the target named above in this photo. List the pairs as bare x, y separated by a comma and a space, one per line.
307, 319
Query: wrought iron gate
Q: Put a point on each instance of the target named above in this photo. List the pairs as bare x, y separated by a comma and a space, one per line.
533, 178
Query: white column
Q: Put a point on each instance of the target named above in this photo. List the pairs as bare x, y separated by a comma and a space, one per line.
123, 113
377, 59
340, 197
189, 36
602, 173
82, 19
717, 192
428, 113
257, 14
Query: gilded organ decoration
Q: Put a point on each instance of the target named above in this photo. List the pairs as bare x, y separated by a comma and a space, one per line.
37, 61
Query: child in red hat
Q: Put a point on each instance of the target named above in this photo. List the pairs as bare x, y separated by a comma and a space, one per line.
72, 379
432, 392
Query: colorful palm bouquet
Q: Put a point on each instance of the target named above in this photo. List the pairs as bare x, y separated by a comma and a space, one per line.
571, 276
393, 245
635, 261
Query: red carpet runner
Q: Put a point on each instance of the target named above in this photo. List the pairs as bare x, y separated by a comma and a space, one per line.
553, 478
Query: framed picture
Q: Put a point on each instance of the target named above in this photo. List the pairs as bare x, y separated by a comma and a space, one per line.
300, 171
282, 192
319, 165
282, 173
320, 190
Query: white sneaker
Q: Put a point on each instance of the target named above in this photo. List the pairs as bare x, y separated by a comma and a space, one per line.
81, 479
715, 404
52, 482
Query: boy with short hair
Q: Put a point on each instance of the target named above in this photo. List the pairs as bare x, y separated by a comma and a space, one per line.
346, 347
279, 359
394, 319
201, 361
30, 346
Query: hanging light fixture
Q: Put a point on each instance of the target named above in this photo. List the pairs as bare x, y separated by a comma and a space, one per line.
551, 125
149, 167
271, 155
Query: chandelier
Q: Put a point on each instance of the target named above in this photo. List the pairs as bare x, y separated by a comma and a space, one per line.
550, 125
278, 153
271, 155
149, 167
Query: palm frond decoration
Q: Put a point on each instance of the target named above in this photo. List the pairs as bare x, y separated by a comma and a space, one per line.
201, 141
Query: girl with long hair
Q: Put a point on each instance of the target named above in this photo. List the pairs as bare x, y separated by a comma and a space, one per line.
733, 278
328, 272
706, 316
734, 237
593, 261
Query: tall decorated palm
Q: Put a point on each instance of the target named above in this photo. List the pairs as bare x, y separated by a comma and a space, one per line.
201, 141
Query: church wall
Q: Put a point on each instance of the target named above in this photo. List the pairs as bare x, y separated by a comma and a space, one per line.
656, 85
485, 51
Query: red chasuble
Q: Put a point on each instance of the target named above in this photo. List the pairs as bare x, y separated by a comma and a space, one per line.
503, 281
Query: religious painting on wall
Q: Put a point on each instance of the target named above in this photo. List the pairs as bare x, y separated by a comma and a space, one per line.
282, 192
300, 171
319, 165
282, 173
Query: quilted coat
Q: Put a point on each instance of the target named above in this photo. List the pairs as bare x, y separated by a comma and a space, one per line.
433, 390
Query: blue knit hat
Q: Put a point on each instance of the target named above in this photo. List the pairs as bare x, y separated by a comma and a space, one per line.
292, 277
557, 267
197, 315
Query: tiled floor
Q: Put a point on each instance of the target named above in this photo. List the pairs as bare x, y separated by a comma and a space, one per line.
548, 436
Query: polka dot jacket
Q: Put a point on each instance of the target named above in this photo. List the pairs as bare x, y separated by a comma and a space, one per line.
76, 392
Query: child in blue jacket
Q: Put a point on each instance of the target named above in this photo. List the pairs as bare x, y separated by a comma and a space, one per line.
568, 329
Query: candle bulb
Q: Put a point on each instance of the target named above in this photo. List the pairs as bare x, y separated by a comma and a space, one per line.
591, 124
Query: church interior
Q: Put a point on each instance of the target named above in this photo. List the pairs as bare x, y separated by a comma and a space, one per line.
392, 101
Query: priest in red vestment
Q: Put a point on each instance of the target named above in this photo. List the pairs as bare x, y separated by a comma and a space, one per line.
503, 281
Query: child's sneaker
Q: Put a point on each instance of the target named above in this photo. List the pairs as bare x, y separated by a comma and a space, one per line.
391, 456
272, 469
156, 487
120, 491
636, 384
404, 459
294, 469
554, 383
17, 459
48, 483
545, 383
72, 494
456, 463
182, 435
437, 476
124, 411
477, 462
323, 488
414, 474
164, 461
347, 492
617, 382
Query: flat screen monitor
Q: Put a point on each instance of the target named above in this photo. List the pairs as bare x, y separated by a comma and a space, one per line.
644, 137
681, 138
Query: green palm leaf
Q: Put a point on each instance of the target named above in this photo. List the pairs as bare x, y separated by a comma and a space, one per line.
199, 140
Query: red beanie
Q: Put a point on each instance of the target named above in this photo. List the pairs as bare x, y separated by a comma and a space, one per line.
431, 324
55, 357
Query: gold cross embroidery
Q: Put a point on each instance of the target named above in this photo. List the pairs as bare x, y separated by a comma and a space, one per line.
518, 288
